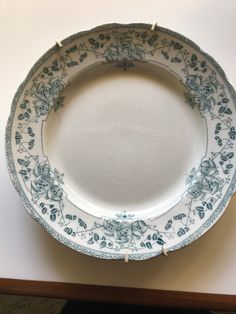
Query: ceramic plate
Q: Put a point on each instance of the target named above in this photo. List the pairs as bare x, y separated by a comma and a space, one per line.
122, 141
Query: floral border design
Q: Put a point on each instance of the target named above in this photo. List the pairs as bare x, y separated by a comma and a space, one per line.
204, 185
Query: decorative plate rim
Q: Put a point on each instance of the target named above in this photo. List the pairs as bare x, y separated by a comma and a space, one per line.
13, 174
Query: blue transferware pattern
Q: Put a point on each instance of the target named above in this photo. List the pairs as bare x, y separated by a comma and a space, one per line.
208, 187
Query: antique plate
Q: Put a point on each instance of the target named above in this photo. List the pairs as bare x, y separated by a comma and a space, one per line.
122, 141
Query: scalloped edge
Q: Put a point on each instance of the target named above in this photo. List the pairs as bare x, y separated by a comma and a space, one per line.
13, 175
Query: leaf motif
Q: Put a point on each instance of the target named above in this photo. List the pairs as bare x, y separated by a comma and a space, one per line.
194, 57
181, 232
54, 68
168, 225
165, 54
209, 206
142, 244
20, 161
149, 245
31, 144
44, 210
26, 163
230, 155
91, 41
179, 216
69, 217
199, 208
23, 105
150, 42
90, 241
228, 111
53, 217
26, 114
45, 70
96, 237
54, 211
154, 237
201, 212
68, 230
18, 137
103, 244
21, 116
175, 60
223, 157
225, 100
222, 109
23, 172
160, 241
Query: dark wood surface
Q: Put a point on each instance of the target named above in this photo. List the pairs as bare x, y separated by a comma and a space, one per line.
149, 297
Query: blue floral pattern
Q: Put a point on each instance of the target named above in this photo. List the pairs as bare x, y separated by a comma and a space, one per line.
206, 186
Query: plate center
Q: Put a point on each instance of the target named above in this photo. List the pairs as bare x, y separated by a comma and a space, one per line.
125, 140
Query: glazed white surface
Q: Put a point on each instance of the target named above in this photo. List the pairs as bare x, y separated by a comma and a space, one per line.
121, 141
27, 251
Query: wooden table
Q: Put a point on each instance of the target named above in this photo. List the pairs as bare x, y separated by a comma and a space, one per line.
201, 275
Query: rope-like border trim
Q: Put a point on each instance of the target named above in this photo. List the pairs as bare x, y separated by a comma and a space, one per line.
13, 174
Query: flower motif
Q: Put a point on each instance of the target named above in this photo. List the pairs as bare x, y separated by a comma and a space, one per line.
139, 227
45, 94
123, 232
40, 185
193, 82
205, 104
111, 54
207, 89
42, 170
196, 190
208, 168
120, 231
110, 226
211, 184
206, 181
55, 193
138, 53
203, 92
42, 107
43, 90
124, 51
125, 216
56, 87
190, 99
47, 182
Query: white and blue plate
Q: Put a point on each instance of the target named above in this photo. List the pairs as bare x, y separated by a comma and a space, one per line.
122, 141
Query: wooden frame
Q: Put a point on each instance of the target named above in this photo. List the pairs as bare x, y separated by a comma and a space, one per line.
148, 297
